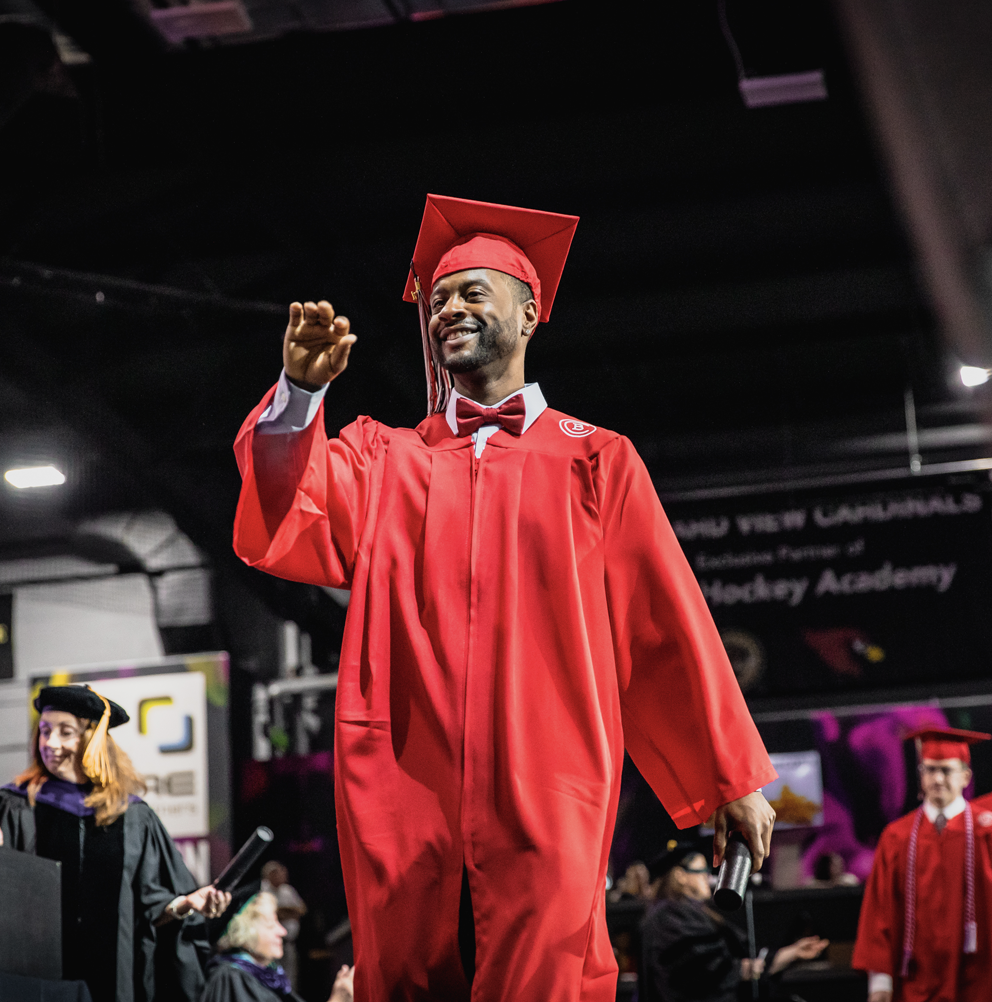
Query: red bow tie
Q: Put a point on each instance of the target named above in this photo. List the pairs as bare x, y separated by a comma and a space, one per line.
509, 416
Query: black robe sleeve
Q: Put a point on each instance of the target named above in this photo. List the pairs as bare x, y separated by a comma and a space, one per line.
688, 955
168, 959
16, 822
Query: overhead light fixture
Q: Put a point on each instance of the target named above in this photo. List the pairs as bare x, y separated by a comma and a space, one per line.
209, 19
763, 90
784, 88
35, 476
974, 375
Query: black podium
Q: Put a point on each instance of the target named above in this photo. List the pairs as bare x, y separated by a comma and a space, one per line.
31, 931
31, 916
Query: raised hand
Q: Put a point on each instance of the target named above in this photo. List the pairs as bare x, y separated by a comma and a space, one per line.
807, 948
344, 985
316, 347
754, 818
810, 947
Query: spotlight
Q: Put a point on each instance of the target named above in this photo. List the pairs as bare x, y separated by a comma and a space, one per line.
35, 476
973, 375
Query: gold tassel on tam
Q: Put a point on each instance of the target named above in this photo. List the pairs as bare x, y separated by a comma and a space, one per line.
96, 759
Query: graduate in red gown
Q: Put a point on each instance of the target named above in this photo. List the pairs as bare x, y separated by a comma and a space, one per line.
924, 934
520, 612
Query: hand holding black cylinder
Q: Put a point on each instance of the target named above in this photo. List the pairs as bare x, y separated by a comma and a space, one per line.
733, 876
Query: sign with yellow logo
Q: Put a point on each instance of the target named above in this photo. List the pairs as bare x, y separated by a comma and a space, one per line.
166, 740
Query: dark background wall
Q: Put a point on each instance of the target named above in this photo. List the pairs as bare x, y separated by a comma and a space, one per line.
740, 298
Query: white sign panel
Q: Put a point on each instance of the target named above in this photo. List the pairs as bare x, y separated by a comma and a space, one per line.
797, 794
166, 739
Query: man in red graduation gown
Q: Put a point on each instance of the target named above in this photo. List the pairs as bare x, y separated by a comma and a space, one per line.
924, 932
520, 611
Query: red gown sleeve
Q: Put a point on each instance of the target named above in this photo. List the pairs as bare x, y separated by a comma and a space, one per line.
685, 722
875, 947
304, 499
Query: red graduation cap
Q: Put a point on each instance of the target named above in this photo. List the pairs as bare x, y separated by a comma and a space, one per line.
946, 742
459, 233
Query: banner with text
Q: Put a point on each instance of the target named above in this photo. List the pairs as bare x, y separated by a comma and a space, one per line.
860, 588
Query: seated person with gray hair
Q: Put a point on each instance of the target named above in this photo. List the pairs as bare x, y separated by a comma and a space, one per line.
246, 967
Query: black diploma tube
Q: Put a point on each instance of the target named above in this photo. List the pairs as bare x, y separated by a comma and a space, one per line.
246, 858
733, 875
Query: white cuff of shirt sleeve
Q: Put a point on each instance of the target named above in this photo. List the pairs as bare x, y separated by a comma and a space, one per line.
292, 409
879, 982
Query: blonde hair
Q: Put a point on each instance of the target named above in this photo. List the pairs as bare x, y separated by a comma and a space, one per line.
104, 763
241, 933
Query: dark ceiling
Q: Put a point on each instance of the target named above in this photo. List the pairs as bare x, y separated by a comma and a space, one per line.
740, 298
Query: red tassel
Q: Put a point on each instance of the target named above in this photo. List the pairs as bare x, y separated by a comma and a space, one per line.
438, 379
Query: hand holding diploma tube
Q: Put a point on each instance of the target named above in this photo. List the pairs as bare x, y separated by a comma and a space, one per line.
734, 874
741, 842
753, 818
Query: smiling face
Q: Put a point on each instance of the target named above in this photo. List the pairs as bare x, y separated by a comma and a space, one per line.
60, 744
268, 935
943, 780
477, 320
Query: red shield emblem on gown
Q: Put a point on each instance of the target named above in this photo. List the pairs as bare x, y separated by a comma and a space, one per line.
576, 429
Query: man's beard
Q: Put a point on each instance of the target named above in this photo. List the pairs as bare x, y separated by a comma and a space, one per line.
493, 340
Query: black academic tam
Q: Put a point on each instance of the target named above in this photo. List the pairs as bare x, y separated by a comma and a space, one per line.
80, 701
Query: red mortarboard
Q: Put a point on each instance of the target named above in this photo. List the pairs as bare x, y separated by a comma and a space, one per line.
458, 233
946, 742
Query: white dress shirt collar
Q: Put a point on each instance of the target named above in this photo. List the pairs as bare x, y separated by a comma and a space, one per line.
952, 810
534, 403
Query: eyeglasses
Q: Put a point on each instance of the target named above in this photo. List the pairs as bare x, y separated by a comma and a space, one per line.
931, 771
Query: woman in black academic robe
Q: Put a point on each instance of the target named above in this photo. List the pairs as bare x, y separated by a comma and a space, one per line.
688, 950
130, 923
246, 967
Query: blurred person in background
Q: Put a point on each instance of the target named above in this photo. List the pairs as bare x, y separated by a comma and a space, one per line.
246, 967
636, 884
126, 893
291, 908
830, 870
689, 950
925, 930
